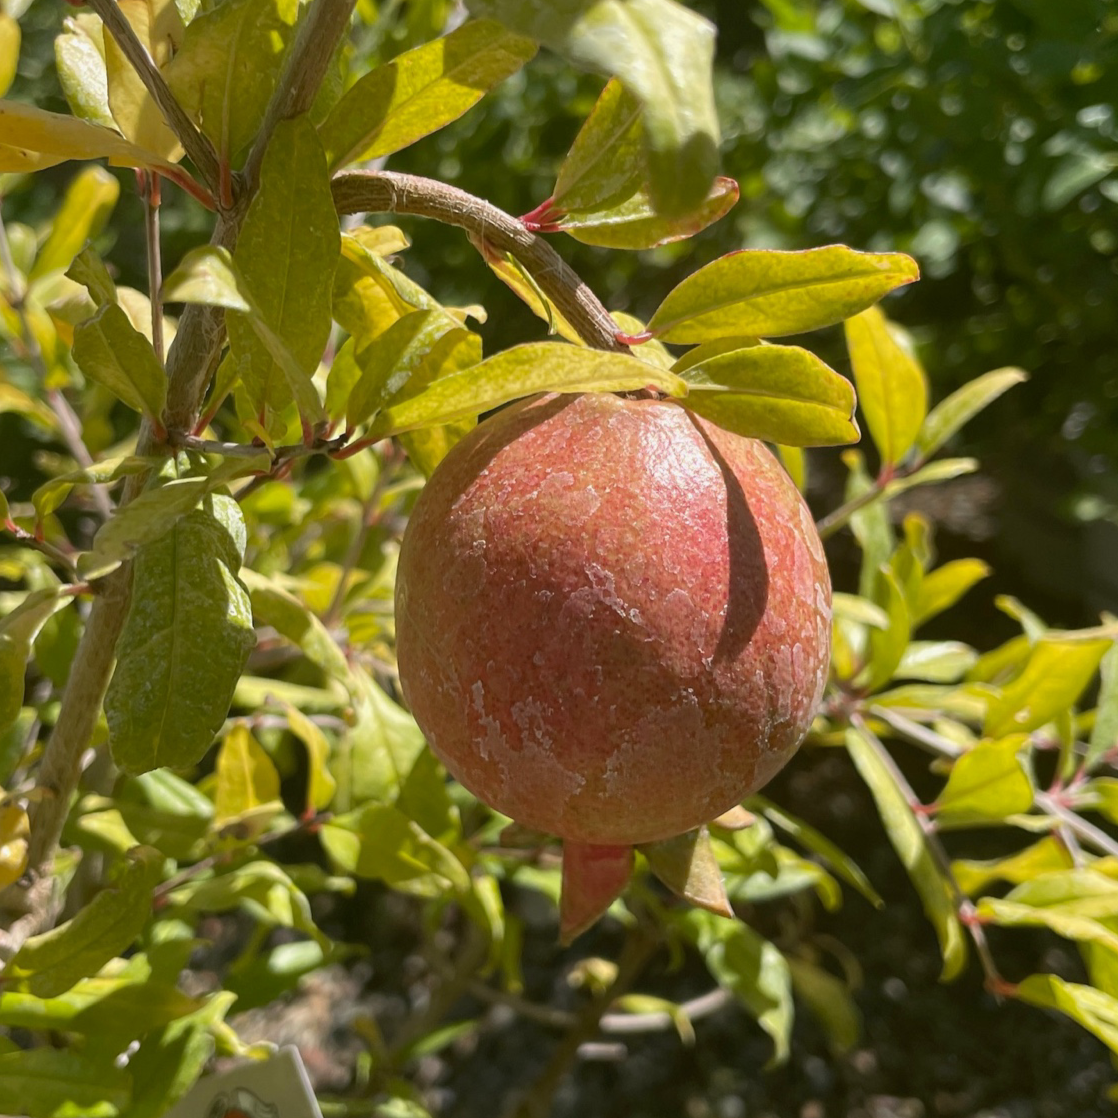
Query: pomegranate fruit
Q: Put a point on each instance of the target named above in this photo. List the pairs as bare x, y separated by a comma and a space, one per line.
613, 622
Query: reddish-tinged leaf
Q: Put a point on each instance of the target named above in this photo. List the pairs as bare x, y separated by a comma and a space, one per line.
593, 878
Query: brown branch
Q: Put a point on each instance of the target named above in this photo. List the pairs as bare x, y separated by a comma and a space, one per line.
298, 85
392, 192
196, 145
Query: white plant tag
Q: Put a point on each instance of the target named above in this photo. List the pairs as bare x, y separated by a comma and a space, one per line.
274, 1088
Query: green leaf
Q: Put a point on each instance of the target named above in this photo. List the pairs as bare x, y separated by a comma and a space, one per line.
169, 1062
1095, 1011
887, 646
822, 847
961, 406
753, 970
226, 68
663, 54
1054, 676
830, 1000
944, 586
321, 784
850, 607
9, 51
89, 200
246, 778
287, 252
768, 293
782, 394
18, 629
421, 91
88, 269
988, 782
606, 161
207, 275
55, 1083
185, 642
635, 224
936, 661
379, 841
413, 352
111, 351
51, 963
1104, 733
892, 389
1046, 856
521, 371
79, 54
910, 843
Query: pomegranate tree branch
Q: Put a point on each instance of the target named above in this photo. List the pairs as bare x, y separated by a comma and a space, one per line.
197, 146
393, 192
326, 22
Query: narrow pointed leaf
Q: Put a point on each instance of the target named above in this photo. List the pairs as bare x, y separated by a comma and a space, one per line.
1047, 856
634, 224
830, 1000
516, 279
892, 388
936, 661
89, 200
687, 865
422, 90
111, 351
55, 136
593, 878
907, 837
522, 371
606, 161
663, 54
410, 354
185, 642
961, 406
134, 109
286, 253
1104, 733
227, 66
1096, 1011
770, 293
79, 54
50, 963
778, 393
944, 586
18, 630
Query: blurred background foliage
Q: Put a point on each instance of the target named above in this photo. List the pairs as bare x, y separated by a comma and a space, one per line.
979, 136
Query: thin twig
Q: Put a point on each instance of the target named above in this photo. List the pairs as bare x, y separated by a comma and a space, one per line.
55, 554
639, 948
927, 739
1088, 832
392, 192
196, 145
150, 189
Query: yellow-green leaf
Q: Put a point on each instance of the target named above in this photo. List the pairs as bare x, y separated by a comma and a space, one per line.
111, 351
9, 52
1104, 733
987, 782
421, 90
18, 629
321, 784
32, 138
226, 69
1046, 856
892, 388
56, 1081
1054, 676
944, 586
79, 55
782, 394
634, 223
287, 253
1094, 1010
246, 777
961, 406
910, 843
606, 161
14, 831
769, 293
522, 371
